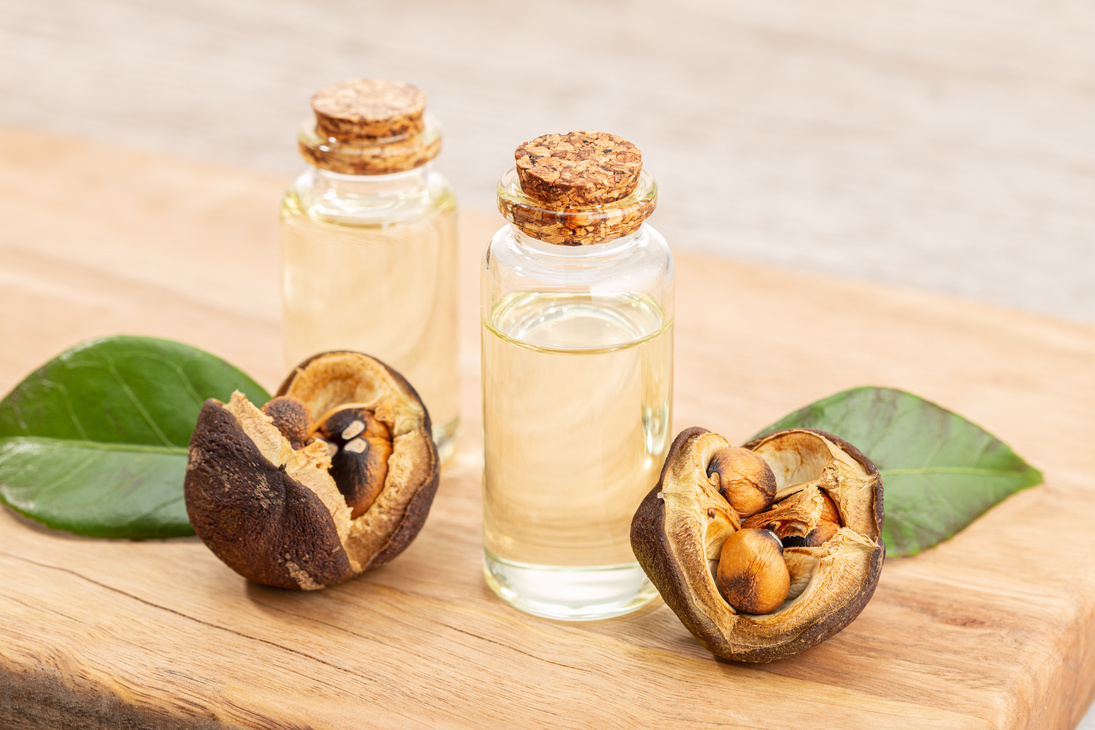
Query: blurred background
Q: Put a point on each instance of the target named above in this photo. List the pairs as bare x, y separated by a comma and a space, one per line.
925, 143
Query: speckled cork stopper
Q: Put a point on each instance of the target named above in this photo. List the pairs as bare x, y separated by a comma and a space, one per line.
577, 189
368, 109
369, 127
578, 168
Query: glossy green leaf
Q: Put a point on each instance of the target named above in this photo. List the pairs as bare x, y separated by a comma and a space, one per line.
95, 441
939, 471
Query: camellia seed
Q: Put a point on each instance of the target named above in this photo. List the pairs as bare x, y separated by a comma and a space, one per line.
360, 465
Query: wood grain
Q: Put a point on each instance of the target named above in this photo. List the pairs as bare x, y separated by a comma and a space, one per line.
994, 628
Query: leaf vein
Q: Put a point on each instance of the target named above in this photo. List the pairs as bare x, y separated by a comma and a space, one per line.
138, 405
189, 385
971, 470
95, 445
69, 406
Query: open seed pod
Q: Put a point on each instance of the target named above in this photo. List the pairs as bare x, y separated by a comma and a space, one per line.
825, 521
332, 477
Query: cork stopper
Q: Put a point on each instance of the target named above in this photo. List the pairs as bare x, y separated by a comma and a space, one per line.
369, 127
578, 168
368, 109
577, 189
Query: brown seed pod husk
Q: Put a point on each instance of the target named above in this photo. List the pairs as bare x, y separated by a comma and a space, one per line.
275, 514
679, 528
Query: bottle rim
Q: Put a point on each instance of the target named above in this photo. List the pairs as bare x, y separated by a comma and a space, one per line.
576, 225
370, 156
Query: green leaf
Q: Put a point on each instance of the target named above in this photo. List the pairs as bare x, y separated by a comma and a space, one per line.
95, 441
939, 471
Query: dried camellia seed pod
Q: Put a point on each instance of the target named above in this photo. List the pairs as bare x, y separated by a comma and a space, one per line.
306, 513
827, 515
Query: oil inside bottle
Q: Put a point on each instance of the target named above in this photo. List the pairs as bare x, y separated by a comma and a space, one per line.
576, 418
383, 288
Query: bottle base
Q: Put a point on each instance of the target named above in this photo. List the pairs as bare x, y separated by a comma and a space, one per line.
444, 437
569, 594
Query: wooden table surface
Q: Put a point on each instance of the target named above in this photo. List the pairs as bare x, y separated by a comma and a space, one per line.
994, 628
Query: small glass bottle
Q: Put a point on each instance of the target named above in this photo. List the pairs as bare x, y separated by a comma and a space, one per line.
369, 242
577, 338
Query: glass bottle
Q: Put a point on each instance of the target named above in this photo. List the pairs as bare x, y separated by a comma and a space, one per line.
369, 242
577, 338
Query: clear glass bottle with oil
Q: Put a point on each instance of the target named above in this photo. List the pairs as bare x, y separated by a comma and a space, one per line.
577, 345
369, 242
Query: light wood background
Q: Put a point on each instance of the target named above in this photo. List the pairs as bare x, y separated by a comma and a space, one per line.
993, 629
939, 144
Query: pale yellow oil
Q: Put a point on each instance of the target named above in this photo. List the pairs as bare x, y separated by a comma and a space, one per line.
386, 290
577, 396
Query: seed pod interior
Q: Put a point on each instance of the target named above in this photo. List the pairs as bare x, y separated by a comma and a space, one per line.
680, 526
275, 514
359, 446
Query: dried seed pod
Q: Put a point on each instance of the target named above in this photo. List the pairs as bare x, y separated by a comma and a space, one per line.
752, 576
276, 514
822, 484
743, 479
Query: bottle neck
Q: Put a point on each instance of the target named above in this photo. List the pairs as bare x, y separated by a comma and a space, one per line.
364, 197
371, 186
590, 254
639, 262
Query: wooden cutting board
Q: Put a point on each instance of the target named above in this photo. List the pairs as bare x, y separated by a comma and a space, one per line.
994, 628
